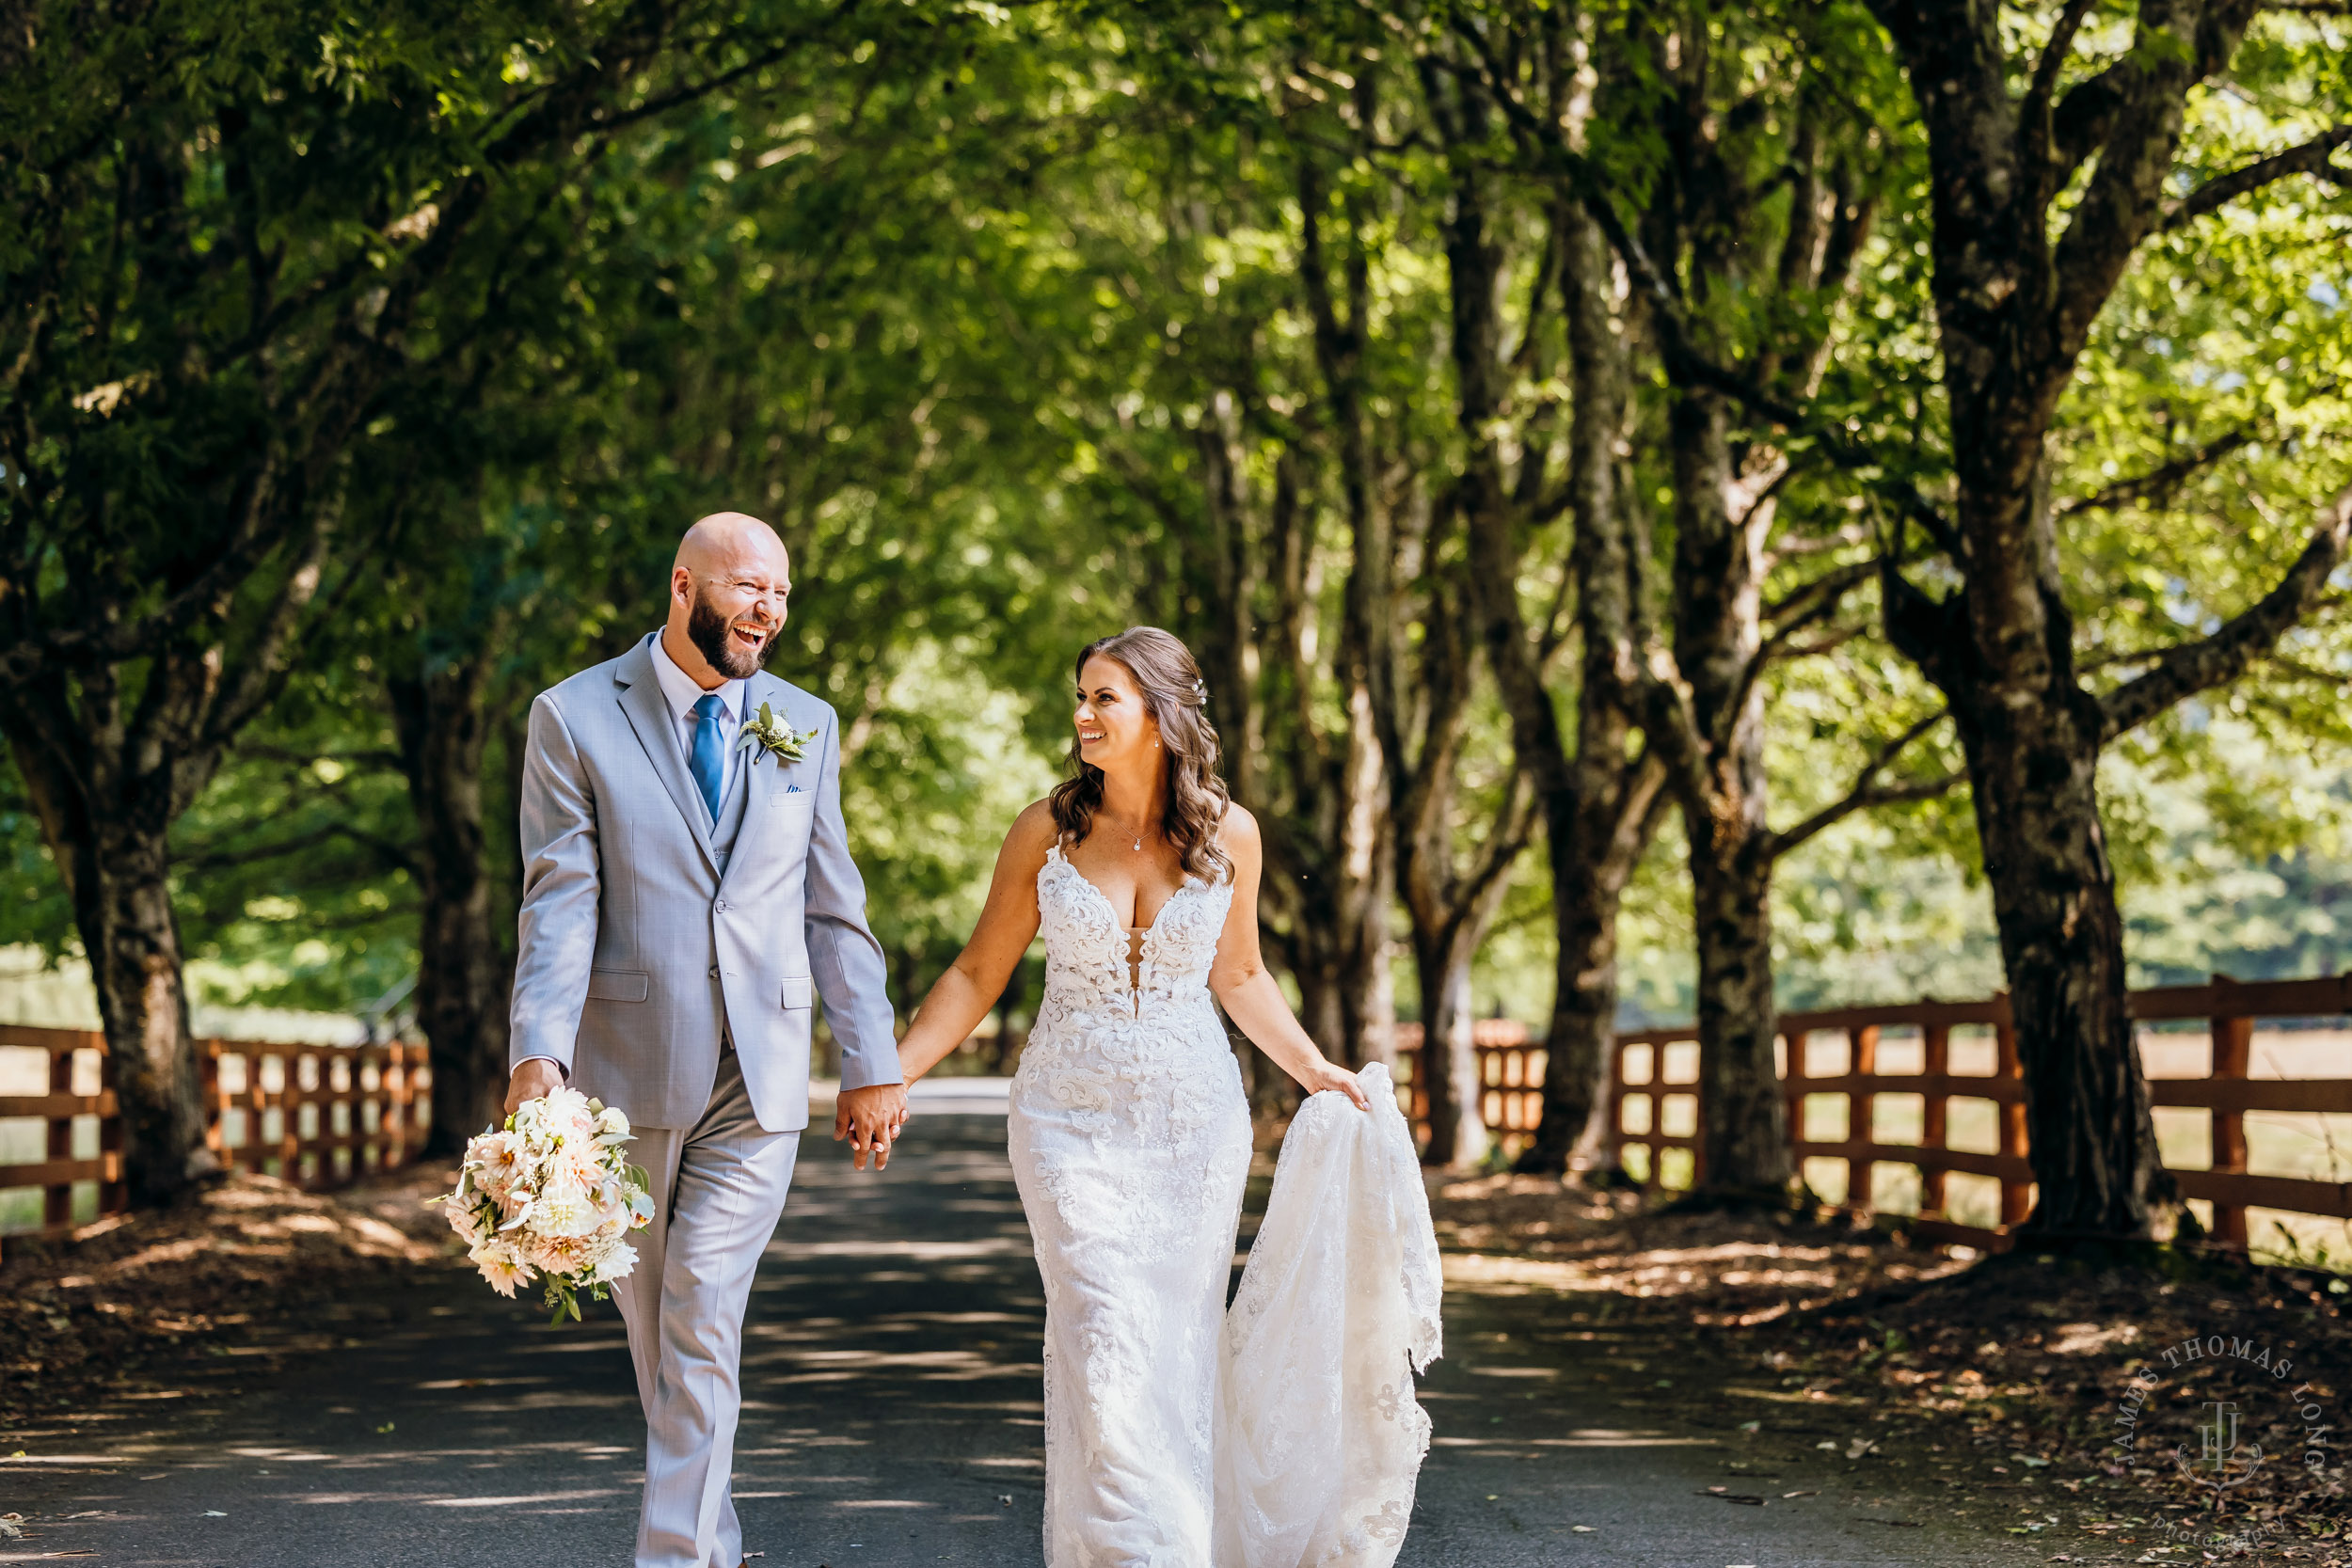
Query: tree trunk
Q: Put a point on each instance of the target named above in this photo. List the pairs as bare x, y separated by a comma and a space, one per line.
1319, 794
136, 961
2016, 297
1347, 1002
1449, 1053
116, 863
2086, 1117
1599, 803
1608, 825
1722, 514
464, 969
1743, 1135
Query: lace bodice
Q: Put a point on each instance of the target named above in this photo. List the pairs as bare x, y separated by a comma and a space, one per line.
1086, 949
1116, 1048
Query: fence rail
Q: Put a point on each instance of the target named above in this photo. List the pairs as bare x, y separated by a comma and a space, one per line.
1656, 1104
319, 1116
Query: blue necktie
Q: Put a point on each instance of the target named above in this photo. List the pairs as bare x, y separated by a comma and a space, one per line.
710, 761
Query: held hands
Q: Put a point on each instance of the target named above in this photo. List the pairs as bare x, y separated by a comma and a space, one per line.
1322, 1075
871, 1118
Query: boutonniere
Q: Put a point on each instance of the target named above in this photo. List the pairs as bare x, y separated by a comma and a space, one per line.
770, 735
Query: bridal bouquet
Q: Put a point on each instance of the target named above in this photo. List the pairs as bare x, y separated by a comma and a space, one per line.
551, 1195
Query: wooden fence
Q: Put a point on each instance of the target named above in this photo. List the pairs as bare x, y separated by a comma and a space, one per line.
1511, 1076
318, 1116
1872, 1087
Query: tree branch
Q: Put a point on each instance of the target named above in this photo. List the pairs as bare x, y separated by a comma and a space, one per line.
262, 664
1513, 830
2082, 117
1684, 360
2302, 671
1866, 800
693, 91
1810, 605
2121, 202
1829, 641
2310, 158
394, 855
2033, 116
1867, 794
1834, 583
2210, 661
1670, 727
2159, 481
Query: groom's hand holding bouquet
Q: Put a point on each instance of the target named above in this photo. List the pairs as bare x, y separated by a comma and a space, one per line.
550, 1194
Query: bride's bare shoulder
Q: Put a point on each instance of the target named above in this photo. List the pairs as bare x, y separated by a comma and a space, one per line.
1033, 834
1237, 832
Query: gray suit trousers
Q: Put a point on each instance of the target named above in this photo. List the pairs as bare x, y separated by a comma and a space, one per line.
721, 1183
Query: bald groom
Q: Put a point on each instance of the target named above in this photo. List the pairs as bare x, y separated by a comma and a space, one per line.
685, 902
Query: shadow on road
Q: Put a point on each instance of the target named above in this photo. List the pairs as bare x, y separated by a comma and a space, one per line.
892, 1417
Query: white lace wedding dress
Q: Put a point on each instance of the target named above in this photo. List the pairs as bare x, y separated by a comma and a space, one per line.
1174, 1436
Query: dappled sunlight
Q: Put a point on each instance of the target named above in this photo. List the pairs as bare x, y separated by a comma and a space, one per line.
1517, 1233
2092, 1338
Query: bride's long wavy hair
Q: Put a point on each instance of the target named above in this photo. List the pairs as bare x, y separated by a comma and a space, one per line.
1164, 671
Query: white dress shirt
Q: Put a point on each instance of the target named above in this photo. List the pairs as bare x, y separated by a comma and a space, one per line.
679, 687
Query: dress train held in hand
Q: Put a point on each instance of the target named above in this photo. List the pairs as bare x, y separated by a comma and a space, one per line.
1177, 1436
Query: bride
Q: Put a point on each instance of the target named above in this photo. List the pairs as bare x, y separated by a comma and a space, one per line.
1175, 1439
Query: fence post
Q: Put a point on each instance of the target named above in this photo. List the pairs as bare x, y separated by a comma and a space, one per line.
208, 1085
2015, 1195
392, 1124
1792, 1093
2232, 1054
1862, 1111
114, 1184
1698, 1112
1615, 1150
1411, 1099
56, 1199
1932, 1133
289, 1108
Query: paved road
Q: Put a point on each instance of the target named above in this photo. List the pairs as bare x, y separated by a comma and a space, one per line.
892, 1418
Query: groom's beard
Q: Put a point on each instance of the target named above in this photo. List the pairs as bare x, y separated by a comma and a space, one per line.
709, 631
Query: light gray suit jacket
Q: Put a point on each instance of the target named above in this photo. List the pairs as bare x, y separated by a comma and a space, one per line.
640, 940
